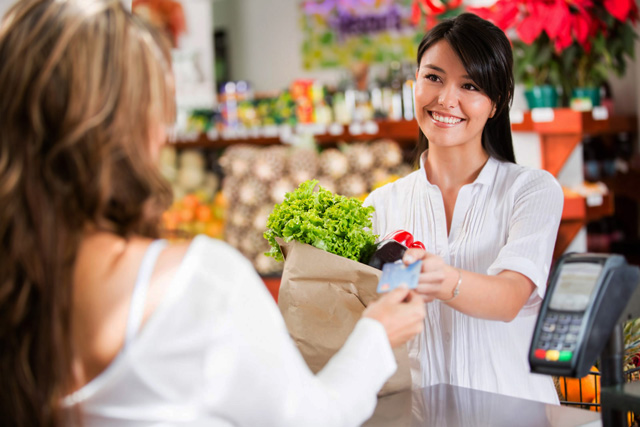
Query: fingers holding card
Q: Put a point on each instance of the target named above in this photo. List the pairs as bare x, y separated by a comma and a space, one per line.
395, 275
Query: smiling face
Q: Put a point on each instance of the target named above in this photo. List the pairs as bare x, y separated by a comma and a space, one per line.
450, 107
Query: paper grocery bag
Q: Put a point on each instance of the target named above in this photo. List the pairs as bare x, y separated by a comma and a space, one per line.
322, 296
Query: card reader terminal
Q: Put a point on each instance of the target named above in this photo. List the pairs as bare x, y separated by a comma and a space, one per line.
585, 296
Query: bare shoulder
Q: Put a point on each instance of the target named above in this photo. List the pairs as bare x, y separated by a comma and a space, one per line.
105, 273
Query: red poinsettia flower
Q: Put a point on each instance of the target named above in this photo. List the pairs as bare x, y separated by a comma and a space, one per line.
502, 13
431, 9
619, 9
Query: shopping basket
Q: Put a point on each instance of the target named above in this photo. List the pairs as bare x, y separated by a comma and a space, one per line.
585, 392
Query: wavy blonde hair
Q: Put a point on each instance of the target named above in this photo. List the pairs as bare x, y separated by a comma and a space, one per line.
83, 84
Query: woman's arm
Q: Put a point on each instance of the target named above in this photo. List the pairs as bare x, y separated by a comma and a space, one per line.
492, 297
519, 272
257, 376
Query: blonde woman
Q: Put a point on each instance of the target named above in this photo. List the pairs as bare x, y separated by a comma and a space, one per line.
101, 323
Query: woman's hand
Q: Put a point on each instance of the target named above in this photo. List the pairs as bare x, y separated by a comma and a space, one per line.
437, 279
402, 314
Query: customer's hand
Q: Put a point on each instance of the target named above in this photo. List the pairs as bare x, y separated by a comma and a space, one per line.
401, 312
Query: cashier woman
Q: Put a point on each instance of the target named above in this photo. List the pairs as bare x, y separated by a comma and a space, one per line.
103, 324
488, 225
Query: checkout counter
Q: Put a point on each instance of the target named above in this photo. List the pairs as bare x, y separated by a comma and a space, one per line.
588, 298
444, 405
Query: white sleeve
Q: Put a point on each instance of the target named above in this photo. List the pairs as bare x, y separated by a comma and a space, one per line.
255, 375
533, 229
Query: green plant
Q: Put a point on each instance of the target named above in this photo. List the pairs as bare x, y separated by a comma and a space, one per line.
632, 346
567, 43
536, 64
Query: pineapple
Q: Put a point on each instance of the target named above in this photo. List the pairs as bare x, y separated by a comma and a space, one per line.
333, 163
279, 188
232, 235
252, 243
252, 191
271, 163
328, 183
237, 160
387, 153
303, 164
231, 189
360, 157
378, 176
352, 185
240, 216
261, 215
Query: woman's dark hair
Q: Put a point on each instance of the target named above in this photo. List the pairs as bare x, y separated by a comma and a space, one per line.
84, 87
486, 55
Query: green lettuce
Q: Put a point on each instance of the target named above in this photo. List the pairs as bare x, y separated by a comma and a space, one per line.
313, 215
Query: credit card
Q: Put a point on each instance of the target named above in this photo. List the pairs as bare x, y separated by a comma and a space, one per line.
398, 274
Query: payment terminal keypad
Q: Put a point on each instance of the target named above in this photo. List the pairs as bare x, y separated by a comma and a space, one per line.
558, 337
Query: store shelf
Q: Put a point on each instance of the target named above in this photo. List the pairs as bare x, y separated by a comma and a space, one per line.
404, 132
577, 212
561, 130
566, 120
579, 208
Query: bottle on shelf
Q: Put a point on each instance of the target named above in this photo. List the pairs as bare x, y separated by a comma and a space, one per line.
592, 153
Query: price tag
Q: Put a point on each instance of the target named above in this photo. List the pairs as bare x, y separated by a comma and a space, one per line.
371, 127
286, 133
336, 129
516, 116
594, 200
542, 115
355, 128
254, 132
320, 129
270, 131
242, 133
188, 136
600, 113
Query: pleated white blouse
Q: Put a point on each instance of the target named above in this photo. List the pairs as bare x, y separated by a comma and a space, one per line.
506, 220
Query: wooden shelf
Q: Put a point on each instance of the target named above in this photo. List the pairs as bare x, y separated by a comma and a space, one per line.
405, 132
575, 215
568, 121
560, 136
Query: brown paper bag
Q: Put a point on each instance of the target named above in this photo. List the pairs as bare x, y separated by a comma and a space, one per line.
322, 296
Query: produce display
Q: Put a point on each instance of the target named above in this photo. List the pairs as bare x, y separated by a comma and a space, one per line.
199, 207
256, 178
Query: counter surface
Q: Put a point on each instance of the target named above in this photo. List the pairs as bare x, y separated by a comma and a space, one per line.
445, 405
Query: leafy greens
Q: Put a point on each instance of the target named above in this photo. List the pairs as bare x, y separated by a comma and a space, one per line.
334, 223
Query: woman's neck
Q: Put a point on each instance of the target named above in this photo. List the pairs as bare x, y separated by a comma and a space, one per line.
451, 168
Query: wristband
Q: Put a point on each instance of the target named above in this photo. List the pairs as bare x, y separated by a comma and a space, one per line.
456, 290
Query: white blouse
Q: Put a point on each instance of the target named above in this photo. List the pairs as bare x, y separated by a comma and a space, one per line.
507, 219
217, 353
